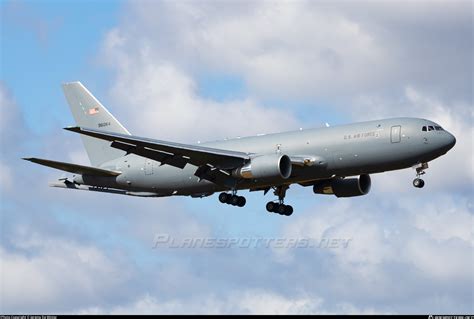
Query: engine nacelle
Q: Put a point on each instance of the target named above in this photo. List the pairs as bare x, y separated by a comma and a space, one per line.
344, 187
265, 167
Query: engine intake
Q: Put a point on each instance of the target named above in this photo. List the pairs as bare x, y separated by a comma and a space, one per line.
344, 187
265, 167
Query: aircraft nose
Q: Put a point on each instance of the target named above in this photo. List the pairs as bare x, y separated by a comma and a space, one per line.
451, 141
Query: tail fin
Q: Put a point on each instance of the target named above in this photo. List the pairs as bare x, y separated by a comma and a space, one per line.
89, 112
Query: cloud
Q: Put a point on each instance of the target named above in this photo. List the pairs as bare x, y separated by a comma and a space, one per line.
158, 99
413, 243
447, 220
56, 275
315, 50
409, 251
258, 41
240, 302
236, 302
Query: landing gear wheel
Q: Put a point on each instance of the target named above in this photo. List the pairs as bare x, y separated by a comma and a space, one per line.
234, 200
223, 198
418, 183
281, 209
420, 170
271, 207
241, 201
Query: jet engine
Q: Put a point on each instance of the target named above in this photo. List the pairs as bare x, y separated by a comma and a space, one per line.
344, 187
265, 167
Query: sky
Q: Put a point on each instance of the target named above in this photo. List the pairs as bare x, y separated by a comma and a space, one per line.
191, 71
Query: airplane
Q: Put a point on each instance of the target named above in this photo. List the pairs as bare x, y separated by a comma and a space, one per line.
333, 160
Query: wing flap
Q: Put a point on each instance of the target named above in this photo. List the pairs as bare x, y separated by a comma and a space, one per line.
215, 175
171, 153
73, 168
162, 157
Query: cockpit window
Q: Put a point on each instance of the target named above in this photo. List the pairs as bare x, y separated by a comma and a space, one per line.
432, 128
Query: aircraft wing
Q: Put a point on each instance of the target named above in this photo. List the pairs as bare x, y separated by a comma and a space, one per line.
212, 162
73, 168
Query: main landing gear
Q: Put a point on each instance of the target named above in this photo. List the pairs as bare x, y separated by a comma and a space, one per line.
280, 207
418, 182
232, 199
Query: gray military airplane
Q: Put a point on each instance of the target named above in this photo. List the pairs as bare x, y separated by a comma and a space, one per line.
333, 160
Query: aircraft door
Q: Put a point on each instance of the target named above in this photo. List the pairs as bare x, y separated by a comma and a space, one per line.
395, 134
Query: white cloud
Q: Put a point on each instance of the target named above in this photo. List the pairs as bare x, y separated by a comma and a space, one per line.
431, 235
304, 49
446, 261
260, 42
50, 274
249, 301
246, 302
446, 219
158, 99
369, 60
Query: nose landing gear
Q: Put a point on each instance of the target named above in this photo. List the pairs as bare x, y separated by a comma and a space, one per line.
420, 170
418, 183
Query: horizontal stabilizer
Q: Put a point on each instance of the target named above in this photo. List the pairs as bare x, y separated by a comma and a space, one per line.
73, 168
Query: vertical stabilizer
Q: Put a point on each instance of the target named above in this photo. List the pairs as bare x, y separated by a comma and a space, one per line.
89, 112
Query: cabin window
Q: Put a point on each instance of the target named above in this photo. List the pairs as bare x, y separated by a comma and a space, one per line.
430, 128
423, 128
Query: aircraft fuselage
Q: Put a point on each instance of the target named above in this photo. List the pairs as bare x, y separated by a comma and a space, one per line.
337, 151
